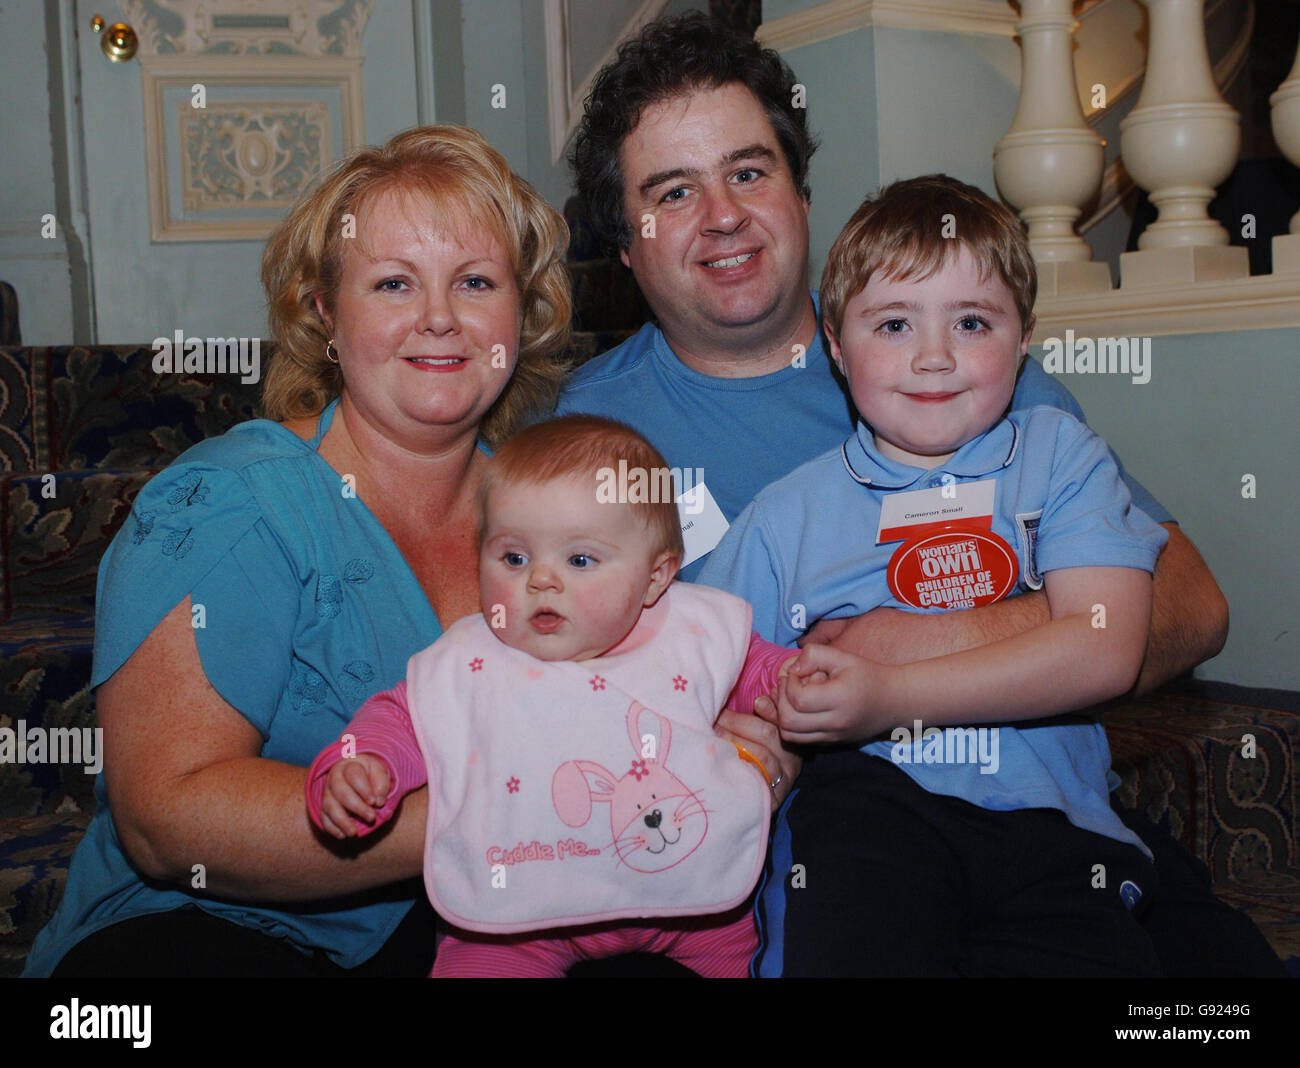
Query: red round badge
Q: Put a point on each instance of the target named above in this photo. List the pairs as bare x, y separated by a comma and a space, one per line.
957, 567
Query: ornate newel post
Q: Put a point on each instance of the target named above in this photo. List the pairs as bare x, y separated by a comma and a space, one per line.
1179, 142
1049, 164
1286, 128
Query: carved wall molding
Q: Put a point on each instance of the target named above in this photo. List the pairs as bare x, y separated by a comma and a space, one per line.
1262, 302
270, 126
249, 27
260, 153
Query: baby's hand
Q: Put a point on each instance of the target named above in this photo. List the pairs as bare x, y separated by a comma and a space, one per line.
816, 676
356, 787
765, 706
827, 695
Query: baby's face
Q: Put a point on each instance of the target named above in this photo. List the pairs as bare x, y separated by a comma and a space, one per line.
567, 575
931, 363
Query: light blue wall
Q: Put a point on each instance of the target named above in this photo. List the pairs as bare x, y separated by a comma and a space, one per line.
840, 78
593, 25
142, 289
882, 114
775, 9
504, 44
449, 53
36, 267
943, 101
1220, 406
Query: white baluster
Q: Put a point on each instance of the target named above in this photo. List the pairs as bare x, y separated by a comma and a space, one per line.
1179, 142
1049, 164
1286, 129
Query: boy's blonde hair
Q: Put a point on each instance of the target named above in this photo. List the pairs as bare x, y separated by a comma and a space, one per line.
580, 446
901, 232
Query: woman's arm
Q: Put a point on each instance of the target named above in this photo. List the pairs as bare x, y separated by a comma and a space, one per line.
1090, 651
386, 765
187, 787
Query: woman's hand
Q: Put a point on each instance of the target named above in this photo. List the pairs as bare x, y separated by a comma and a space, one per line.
761, 740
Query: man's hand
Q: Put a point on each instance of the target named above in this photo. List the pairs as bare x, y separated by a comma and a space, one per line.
891, 636
356, 787
1189, 615
828, 631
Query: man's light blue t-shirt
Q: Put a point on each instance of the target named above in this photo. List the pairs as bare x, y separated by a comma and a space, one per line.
744, 433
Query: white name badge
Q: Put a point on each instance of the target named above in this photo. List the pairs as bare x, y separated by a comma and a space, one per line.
703, 523
903, 514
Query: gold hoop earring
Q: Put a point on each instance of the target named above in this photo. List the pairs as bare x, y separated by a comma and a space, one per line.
331, 353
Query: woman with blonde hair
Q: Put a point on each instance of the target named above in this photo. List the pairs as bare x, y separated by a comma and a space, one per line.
273, 578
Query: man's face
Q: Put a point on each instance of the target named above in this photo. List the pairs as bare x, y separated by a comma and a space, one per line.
729, 255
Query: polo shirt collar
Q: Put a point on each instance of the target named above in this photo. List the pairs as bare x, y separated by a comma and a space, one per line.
985, 455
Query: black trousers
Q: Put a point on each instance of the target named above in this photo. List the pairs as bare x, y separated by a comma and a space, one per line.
190, 942
894, 881
1195, 934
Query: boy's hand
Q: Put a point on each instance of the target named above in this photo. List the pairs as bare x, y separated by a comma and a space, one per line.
356, 787
828, 695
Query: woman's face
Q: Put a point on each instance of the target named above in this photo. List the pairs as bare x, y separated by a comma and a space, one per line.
426, 321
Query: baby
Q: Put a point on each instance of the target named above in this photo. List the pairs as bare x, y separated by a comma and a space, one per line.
566, 734
944, 850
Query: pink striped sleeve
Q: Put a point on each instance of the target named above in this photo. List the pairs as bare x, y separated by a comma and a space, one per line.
382, 727
758, 676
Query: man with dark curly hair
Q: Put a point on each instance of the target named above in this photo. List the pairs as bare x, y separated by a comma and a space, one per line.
692, 160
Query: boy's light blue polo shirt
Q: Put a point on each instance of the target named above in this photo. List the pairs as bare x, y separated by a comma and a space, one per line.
805, 549
745, 433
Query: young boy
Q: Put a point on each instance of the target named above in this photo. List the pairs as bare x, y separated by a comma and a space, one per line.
586, 658
941, 851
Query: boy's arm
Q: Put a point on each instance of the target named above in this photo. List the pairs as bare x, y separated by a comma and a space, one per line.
1189, 618
1090, 650
382, 727
1189, 622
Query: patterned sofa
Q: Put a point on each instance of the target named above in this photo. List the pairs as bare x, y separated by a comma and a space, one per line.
101, 423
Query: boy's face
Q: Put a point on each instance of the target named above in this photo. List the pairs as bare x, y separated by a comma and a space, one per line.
570, 573
931, 363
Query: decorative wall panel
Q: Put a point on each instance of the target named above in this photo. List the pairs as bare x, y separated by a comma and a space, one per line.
246, 104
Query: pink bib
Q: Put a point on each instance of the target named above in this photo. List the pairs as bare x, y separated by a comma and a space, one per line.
566, 793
